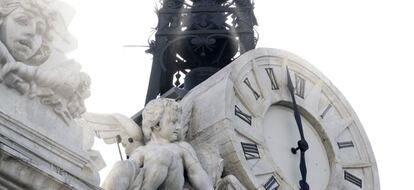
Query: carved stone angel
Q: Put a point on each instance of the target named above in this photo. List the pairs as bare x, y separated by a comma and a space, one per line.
164, 162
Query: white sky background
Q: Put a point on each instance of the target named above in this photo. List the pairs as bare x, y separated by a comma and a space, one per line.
365, 47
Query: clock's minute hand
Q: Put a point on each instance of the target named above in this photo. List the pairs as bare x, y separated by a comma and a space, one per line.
302, 144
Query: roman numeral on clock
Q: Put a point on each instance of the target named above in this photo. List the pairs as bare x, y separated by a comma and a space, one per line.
272, 78
353, 179
345, 144
244, 116
250, 151
271, 184
300, 86
326, 110
247, 82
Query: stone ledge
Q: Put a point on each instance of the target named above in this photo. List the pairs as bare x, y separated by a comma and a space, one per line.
36, 136
17, 172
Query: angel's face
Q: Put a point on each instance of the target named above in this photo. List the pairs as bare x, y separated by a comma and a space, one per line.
170, 128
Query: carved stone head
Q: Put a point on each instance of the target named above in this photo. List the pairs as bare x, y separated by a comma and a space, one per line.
24, 29
161, 116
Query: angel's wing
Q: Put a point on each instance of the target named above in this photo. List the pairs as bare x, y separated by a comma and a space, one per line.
111, 127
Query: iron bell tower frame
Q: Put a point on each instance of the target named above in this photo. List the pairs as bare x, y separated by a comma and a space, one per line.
195, 39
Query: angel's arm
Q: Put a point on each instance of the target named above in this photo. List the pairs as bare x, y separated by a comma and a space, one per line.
196, 174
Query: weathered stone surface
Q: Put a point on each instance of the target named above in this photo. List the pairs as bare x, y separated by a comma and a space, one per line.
230, 110
164, 159
41, 140
41, 92
33, 43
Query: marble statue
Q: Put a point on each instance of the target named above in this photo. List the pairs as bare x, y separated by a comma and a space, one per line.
164, 126
164, 161
112, 128
42, 92
32, 56
213, 163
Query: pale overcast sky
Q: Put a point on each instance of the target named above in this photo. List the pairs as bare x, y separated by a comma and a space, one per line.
365, 47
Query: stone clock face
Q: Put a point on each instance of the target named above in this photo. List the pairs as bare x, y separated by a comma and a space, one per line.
339, 155
278, 120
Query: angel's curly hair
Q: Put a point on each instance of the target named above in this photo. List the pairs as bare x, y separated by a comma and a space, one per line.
153, 113
42, 8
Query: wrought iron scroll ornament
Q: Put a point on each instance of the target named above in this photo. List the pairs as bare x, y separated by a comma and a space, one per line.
196, 38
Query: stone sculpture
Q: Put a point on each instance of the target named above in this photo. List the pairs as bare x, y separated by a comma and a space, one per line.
42, 93
32, 59
164, 126
164, 159
112, 128
214, 165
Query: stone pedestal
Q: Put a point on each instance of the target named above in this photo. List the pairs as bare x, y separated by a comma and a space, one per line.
38, 150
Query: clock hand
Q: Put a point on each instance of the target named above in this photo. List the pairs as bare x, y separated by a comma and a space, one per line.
302, 183
302, 144
295, 107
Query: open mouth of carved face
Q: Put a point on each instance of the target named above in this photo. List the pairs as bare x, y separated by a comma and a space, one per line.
25, 43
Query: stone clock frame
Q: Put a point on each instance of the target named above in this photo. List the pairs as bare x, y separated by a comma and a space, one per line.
228, 113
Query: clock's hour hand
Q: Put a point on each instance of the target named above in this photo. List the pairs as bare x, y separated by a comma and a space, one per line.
302, 144
302, 183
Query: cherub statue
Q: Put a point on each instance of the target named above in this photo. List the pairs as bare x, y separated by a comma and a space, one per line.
164, 162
